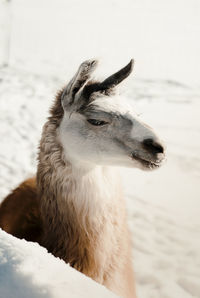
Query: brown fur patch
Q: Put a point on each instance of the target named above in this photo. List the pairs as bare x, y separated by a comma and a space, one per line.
19, 212
56, 111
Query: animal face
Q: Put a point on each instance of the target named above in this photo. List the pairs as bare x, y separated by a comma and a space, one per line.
99, 127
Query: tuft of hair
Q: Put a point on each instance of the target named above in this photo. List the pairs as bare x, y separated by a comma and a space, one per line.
56, 110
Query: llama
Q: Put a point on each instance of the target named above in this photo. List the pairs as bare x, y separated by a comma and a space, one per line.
75, 207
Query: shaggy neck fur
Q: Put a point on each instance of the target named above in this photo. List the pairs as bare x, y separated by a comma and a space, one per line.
82, 210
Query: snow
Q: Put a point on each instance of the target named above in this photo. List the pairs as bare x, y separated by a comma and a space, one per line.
163, 206
51, 36
27, 270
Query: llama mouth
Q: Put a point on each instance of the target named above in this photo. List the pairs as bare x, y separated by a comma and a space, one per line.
149, 164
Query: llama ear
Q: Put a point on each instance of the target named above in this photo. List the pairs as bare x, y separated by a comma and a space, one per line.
77, 82
117, 77
111, 81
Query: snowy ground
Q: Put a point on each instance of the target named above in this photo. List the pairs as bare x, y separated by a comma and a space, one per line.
163, 205
28, 271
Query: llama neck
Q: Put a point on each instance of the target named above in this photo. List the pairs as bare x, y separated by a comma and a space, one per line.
90, 190
78, 203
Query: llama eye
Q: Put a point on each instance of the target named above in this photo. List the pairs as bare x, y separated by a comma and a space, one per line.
96, 122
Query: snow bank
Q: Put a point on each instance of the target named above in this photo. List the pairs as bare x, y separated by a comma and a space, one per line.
28, 271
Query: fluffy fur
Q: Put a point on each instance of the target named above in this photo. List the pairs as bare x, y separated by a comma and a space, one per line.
77, 215
83, 213
20, 214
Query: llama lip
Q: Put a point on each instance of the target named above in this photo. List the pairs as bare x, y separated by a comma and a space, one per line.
147, 163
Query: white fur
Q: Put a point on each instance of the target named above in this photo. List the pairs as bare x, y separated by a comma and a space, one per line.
91, 146
95, 189
114, 104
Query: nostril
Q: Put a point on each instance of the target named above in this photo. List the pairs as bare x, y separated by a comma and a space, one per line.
153, 146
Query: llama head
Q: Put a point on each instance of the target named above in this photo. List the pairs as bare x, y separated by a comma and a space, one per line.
100, 127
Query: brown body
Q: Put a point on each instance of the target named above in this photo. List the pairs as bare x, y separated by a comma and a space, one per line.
19, 212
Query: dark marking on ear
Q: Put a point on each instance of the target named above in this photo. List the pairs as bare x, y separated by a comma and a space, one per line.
108, 84
117, 77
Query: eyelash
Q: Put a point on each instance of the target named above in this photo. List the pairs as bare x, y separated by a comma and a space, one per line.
96, 122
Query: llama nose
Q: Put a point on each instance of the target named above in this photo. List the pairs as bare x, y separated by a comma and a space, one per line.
153, 146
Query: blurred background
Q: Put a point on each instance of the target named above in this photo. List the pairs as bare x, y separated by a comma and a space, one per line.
42, 44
